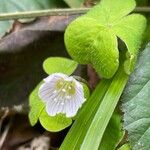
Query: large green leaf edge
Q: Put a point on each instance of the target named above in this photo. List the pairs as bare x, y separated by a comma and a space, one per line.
136, 103
109, 20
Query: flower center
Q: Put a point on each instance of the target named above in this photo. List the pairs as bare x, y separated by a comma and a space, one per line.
67, 87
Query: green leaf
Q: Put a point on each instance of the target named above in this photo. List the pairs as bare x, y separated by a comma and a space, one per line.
136, 103
86, 90
125, 147
59, 64
105, 111
54, 124
88, 42
113, 134
74, 3
36, 106
79, 129
109, 12
91, 47
10, 6
135, 25
77, 134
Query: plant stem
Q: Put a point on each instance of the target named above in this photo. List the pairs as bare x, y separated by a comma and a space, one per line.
42, 13
55, 12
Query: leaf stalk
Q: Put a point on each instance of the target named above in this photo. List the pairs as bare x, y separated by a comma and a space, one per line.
55, 12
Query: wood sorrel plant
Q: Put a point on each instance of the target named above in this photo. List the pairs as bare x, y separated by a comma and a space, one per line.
56, 100
92, 39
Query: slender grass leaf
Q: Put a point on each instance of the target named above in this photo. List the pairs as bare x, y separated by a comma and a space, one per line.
77, 132
113, 134
100, 121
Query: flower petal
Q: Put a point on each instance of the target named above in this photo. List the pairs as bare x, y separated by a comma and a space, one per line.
55, 77
59, 99
46, 91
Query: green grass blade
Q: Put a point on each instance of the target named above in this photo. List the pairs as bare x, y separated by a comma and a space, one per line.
77, 132
101, 119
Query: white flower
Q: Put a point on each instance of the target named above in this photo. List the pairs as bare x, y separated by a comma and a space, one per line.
62, 94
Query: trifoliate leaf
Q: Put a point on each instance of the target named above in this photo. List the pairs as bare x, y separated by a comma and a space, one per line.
109, 12
136, 104
92, 37
59, 64
129, 30
56, 123
93, 44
